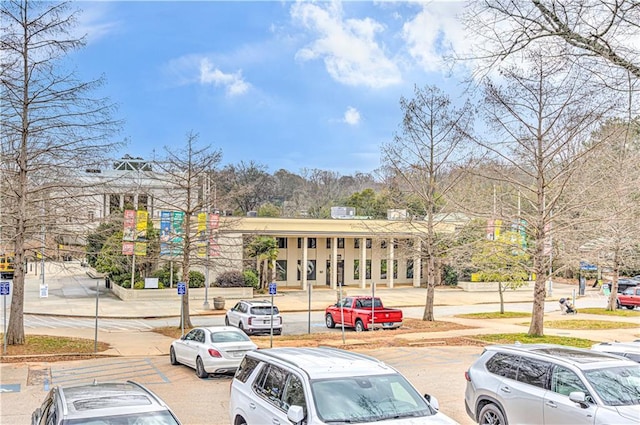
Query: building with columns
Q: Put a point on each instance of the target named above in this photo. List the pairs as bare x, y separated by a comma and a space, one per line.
334, 250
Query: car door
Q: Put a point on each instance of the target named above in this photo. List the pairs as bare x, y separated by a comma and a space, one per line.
558, 409
233, 314
268, 406
528, 390
185, 349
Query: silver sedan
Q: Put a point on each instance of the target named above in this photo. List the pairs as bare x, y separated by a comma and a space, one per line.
211, 350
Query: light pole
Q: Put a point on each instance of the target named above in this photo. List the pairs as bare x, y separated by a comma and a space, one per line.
205, 305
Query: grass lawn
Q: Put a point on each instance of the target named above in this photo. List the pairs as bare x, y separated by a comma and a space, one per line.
51, 345
620, 312
588, 324
526, 339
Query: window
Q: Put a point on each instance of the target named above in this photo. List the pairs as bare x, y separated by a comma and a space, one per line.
340, 243
383, 269
270, 384
294, 394
91, 215
395, 269
281, 270
356, 269
504, 365
328, 243
311, 270
311, 243
356, 243
565, 381
383, 244
299, 243
409, 269
533, 372
247, 366
282, 243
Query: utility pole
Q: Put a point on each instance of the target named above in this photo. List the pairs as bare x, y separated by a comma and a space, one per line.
207, 183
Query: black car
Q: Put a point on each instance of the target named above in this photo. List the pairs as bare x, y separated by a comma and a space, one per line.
624, 284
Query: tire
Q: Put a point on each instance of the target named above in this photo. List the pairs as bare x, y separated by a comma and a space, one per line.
629, 307
241, 327
226, 321
200, 372
618, 304
328, 320
491, 415
360, 326
277, 332
239, 421
172, 356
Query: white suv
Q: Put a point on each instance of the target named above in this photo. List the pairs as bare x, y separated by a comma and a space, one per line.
552, 384
254, 317
325, 386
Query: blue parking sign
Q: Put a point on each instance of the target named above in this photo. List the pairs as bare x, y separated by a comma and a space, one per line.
272, 288
5, 288
182, 288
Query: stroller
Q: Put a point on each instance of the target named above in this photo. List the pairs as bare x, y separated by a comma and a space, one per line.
566, 307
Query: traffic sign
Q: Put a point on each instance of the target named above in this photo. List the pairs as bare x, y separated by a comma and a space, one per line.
272, 288
182, 288
5, 288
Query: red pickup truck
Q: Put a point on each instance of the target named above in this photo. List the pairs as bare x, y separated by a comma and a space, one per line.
629, 298
357, 312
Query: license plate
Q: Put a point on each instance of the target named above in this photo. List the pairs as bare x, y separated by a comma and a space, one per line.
388, 324
237, 353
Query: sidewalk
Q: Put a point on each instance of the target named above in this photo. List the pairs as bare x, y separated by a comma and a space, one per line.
72, 293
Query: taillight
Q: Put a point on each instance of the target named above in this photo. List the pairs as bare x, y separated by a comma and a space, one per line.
467, 376
214, 353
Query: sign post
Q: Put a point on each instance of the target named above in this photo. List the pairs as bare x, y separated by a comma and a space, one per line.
182, 289
273, 289
5, 289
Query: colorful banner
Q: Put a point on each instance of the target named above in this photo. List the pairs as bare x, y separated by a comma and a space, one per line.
127, 248
140, 249
129, 232
214, 248
171, 233
141, 224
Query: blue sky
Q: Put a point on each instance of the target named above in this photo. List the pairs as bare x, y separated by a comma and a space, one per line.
290, 85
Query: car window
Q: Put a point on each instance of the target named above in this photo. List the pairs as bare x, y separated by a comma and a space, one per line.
229, 336
565, 381
247, 366
616, 386
294, 394
270, 384
191, 336
199, 336
503, 364
45, 411
533, 372
244, 308
264, 310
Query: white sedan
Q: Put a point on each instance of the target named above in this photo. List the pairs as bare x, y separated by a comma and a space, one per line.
213, 349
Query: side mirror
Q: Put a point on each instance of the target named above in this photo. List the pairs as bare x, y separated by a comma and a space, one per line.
580, 398
295, 414
433, 401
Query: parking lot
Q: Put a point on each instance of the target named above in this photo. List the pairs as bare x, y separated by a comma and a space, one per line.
437, 370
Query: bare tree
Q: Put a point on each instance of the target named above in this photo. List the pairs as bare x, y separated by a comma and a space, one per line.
51, 126
431, 142
594, 32
186, 170
541, 115
245, 186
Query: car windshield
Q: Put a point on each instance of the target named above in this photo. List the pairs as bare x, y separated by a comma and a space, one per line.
145, 418
263, 311
616, 386
367, 399
229, 336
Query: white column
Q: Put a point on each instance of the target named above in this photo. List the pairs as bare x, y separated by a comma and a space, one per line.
334, 263
390, 264
417, 267
303, 272
363, 263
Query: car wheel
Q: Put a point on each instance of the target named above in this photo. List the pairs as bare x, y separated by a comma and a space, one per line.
360, 326
241, 327
329, 321
200, 372
172, 356
491, 415
226, 320
618, 304
277, 332
629, 307
240, 421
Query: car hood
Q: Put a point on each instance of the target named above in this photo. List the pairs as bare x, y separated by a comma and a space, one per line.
629, 412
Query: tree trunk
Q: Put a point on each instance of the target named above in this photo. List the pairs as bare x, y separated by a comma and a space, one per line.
501, 292
537, 314
428, 308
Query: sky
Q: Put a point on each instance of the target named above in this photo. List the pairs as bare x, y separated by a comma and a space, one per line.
288, 85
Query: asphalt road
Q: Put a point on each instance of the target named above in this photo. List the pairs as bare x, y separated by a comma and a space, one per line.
437, 370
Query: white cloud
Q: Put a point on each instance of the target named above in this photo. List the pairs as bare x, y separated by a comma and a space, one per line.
434, 32
348, 46
351, 116
233, 83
